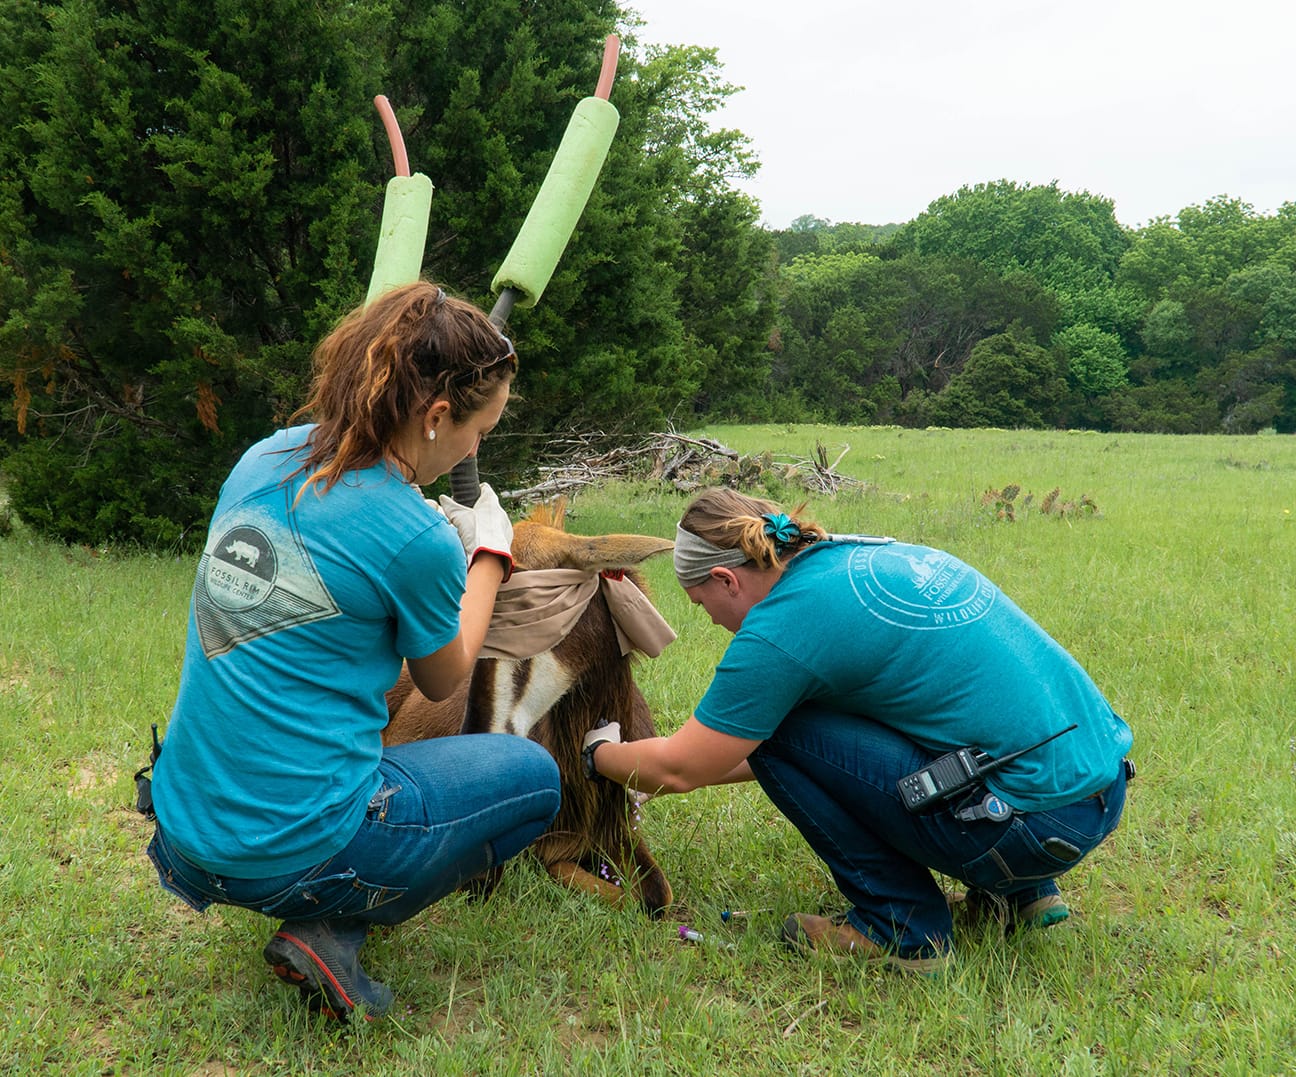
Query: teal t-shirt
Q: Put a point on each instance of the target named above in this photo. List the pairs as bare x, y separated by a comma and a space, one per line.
301, 615
915, 639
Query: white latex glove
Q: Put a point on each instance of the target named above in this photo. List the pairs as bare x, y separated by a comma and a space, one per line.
603, 733
608, 731
483, 527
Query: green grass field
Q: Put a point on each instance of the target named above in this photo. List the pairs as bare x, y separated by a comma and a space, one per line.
1178, 594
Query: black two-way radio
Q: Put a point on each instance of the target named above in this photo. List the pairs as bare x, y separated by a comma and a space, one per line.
955, 773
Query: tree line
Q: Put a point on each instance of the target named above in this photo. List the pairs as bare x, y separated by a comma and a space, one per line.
190, 196
1019, 305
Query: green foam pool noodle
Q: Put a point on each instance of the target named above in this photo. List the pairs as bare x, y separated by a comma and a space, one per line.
403, 233
548, 226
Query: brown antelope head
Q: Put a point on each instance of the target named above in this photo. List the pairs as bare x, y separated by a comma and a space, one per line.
558, 660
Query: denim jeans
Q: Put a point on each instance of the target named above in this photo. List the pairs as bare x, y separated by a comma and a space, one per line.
834, 776
448, 809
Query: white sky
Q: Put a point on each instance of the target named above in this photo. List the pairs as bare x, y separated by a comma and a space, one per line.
866, 111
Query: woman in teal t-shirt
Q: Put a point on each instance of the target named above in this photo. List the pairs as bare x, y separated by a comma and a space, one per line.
856, 662
324, 568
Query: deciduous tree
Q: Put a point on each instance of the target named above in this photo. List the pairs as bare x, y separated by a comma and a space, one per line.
1007, 381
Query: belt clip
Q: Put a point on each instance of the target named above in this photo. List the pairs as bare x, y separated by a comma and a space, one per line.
990, 807
379, 800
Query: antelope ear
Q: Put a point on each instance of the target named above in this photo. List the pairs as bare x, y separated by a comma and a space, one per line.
550, 513
615, 551
536, 545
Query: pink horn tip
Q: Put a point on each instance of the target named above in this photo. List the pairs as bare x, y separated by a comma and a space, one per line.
611, 47
400, 162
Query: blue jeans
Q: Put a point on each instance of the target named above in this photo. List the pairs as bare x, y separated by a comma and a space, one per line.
448, 809
834, 776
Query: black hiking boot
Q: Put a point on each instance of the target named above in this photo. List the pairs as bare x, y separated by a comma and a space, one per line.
322, 959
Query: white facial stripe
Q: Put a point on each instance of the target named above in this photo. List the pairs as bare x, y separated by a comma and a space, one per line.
548, 681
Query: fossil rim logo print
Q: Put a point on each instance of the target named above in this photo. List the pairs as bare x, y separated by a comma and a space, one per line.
919, 589
249, 586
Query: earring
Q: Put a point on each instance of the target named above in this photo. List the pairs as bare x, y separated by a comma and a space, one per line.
431, 435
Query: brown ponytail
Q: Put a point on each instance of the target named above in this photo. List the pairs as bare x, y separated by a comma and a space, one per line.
387, 361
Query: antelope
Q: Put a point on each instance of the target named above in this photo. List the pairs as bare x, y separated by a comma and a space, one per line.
557, 695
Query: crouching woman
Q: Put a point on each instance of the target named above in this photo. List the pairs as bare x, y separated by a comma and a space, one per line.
324, 568
856, 662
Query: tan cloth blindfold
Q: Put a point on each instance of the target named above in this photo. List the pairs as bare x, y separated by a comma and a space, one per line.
536, 609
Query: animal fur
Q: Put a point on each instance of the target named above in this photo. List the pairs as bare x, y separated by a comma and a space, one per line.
555, 698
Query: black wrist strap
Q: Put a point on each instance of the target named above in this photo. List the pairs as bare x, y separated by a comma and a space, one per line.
587, 760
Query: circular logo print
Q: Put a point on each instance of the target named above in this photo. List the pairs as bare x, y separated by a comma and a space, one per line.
919, 588
241, 569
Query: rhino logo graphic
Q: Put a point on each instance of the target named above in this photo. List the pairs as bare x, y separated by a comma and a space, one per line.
244, 551
240, 568
924, 569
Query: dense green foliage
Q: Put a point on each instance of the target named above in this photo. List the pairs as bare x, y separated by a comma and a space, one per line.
183, 211
190, 193
190, 198
970, 314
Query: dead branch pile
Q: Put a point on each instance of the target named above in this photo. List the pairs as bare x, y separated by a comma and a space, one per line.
685, 463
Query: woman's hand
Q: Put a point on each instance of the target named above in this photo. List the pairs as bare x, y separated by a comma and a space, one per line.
440, 674
604, 733
691, 757
483, 527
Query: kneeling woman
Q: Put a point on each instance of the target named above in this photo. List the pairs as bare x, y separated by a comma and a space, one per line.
324, 568
854, 663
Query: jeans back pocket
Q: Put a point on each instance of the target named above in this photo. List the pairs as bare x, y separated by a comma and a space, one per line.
1017, 858
172, 874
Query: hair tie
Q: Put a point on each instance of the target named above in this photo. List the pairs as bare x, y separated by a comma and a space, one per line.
780, 527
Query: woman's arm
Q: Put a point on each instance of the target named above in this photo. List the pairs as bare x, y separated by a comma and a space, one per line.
689, 758
440, 673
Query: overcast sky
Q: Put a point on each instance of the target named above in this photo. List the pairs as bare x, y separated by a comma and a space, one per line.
867, 111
